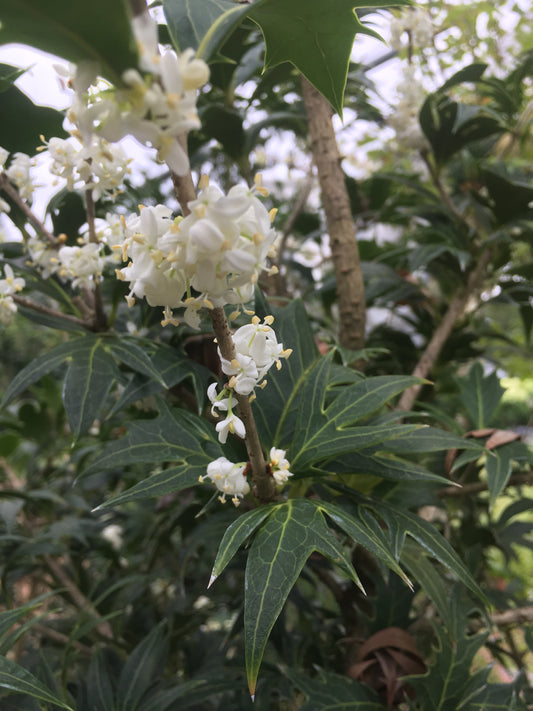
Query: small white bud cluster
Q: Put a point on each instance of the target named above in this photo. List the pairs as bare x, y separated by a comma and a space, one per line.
9, 286
416, 25
97, 165
404, 120
19, 173
210, 258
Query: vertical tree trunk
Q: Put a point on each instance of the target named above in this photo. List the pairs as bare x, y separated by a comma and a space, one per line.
340, 224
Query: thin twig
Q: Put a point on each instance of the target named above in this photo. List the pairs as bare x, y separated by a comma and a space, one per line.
477, 486
95, 297
6, 186
445, 327
46, 310
62, 639
79, 599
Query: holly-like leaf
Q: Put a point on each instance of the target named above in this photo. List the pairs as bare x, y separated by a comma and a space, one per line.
429, 538
17, 679
499, 467
323, 431
293, 531
127, 351
276, 407
314, 36
166, 482
449, 680
61, 28
363, 532
480, 395
174, 436
87, 382
46, 363
333, 692
239, 531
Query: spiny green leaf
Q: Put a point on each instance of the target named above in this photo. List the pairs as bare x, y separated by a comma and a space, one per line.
480, 395
276, 407
314, 36
87, 383
127, 351
18, 679
46, 363
166, 482
236, 535
499, 467
175, 435
361, 531
62, 28
333, 692
426, 575
325, 431
278, 553
428, 537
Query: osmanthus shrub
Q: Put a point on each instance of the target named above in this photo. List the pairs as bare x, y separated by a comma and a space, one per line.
307, 450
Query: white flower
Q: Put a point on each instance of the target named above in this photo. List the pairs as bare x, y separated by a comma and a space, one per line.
113, 535
19, 174
228, 478
232, 424
3, 156
256, 350
9, 286
279, 465
218, 402
81, 265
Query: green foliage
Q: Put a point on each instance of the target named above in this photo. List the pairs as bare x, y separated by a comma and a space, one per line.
316, 39
61, 29
105, 437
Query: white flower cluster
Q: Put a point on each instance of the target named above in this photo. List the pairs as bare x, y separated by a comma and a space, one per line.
19, 173
210, 258
256, 351
230, 479
9, 286
96, 165
157, 110
416, 23
404, 120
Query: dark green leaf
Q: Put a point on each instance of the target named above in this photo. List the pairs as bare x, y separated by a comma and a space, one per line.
480, 395
143, 667
87, 383
22, 122
18, 679
428, 577
499, 467
332, 692
175, 435
46, 363
129, 353
236, 535
278, 553
99, 682
65, 29
162, 483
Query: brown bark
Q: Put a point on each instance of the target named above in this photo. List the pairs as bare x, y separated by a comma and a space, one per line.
340, 225
444, 329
